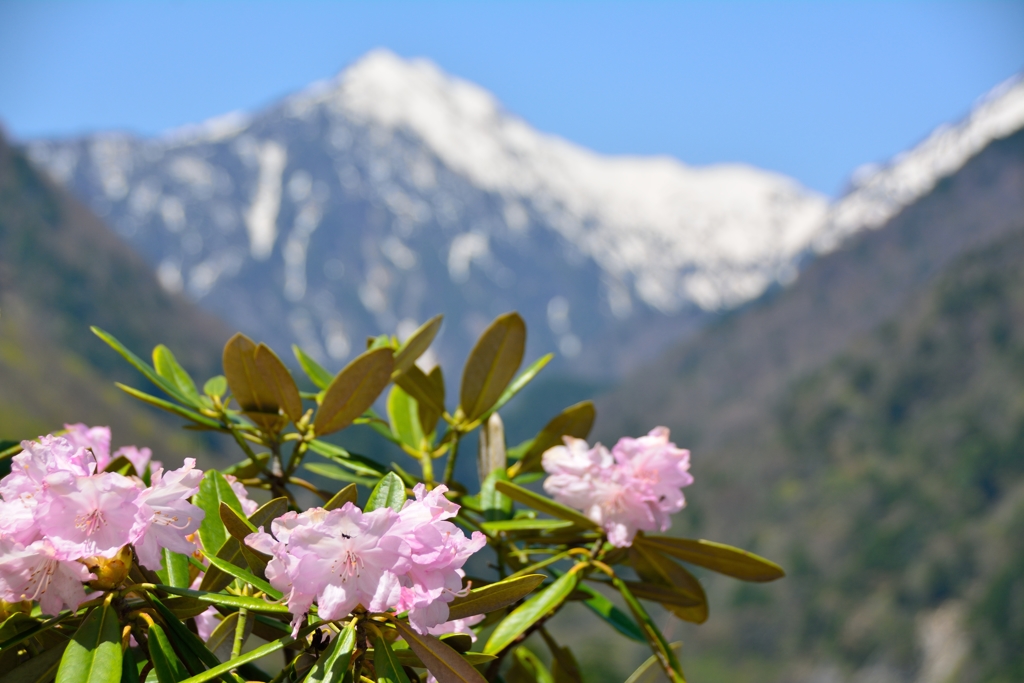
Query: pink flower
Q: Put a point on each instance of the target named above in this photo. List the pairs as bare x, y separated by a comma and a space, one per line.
140, 458
635, 487
437, 549
342, 558
95, 439
248, 506
36, 572
165, 516
88, 516
39, 459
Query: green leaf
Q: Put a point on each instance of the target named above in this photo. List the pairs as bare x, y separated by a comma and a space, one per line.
381, 341
194, 652
214, 489
333, 663
387, 666
251, 656
94, 653
616, 618
521, 380
19, 627
526, 525
544, 504
170, 407
167, 366
359, 464
338, 474
349, 494
527, 614
247, 469
527, 668
564, 667
175, 571
689, 604
493, 596
417, 344
492, 364
236, 523
403, 414
495, 505
129, 668
166, 664
717, 557
659, 646
216, 386
225, 600
232, 551
389, 492
39, 669
316, 373
255, 396
440, 659
140, 365
575, 421
276, 376
245, 576
354, 390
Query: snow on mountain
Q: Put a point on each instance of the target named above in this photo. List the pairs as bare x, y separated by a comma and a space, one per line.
878, 194
392, 192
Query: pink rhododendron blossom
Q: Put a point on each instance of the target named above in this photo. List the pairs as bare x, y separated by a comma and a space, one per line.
341, 558
407, 561
140, 458
95, 439
249, 506
57, 509
165, 515
637, 486
438, 550
88, 516
35, 572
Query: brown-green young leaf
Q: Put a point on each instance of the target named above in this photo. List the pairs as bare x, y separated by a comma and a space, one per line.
417, 344
349, 494
492, 364
254, 396
354, 390
544, 504
446, 664
276, 376
717, 557
661, 572
493, 596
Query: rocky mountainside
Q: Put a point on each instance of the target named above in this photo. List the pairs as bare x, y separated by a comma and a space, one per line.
864, 427
374, 200
62, 270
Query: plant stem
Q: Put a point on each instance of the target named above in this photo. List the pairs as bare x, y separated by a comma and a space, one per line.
236, 647
449, 467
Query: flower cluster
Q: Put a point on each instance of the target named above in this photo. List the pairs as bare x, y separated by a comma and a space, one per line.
60, 514
637, 486
409, 560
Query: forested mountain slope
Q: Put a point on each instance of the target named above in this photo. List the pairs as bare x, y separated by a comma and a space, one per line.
62, 270
866, 428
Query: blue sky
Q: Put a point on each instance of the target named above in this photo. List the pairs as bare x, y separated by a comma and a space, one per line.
808, 89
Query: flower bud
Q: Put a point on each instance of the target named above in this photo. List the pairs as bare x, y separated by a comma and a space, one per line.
110, 571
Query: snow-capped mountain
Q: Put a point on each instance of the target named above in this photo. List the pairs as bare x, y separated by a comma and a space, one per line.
374, 200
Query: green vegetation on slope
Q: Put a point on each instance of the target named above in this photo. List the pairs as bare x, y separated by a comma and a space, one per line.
866, 426
62, 270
